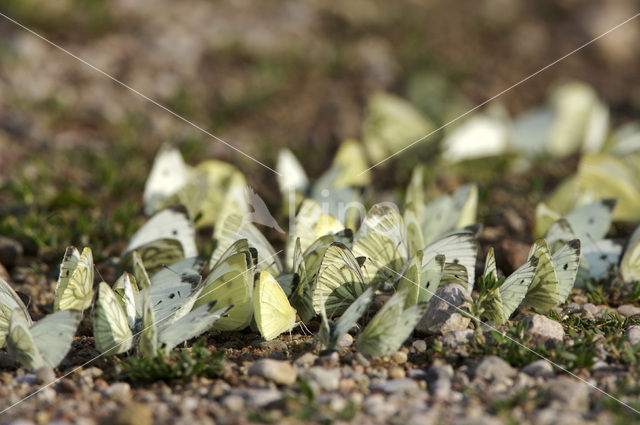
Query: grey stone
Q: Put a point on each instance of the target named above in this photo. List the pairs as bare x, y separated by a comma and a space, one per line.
493, 368
305, 360
395, 386
628, 310
569, 393
233, 402
633, 334
330, 359
326, 379
454, 338
45, 375
420, 345
258, 398
376, 406
439, 381
20, 422
443, 314
119, 391
417, 374
278, 371
539, 368
543, 330
591, 311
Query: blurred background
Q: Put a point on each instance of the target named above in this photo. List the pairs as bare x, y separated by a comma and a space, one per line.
75, 147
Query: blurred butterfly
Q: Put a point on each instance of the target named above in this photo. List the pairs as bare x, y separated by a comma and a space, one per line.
235, 227
164, 239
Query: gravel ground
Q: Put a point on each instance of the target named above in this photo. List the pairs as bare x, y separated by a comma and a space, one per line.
295, 74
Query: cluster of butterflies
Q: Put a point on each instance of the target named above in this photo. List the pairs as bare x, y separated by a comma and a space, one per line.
331, 270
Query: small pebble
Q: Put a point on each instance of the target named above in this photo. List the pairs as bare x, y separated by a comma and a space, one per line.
628, 310
394, 386
539, 368
119, 391
397, 372
130, 414
420, 345
327, 379
455, 338
233, 402
399, 357
278, 371
259, 398
66, 386
493, 368
633, 334
543, 330
305, 360
45, 375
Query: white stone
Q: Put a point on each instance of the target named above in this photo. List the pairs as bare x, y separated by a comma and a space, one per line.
542, 329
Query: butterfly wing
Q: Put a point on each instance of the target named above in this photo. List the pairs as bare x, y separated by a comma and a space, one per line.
54, 334
630, 262
340, 280
170, 292
111, 330
460, 247
9, 301
191, 325
75, 284
600, 257
168, 174
148, 342
235, 227
383, 239
291, 175
566, 262
20, 343
390, 327
273, 313
167, 237
490, 268
592, 221
514, 289
231, 283
543, 292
